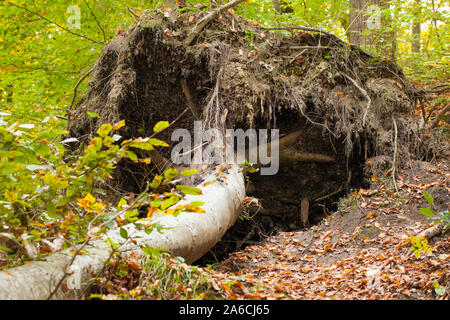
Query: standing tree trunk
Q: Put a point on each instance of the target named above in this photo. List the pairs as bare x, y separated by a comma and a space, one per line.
357, 22
370, 27
416, 29
384, 38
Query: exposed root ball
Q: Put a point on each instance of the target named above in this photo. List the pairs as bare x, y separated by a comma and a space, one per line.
238, 75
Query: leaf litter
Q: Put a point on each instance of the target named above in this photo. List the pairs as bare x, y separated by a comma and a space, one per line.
352, 254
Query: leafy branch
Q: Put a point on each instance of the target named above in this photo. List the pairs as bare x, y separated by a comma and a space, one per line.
55, 23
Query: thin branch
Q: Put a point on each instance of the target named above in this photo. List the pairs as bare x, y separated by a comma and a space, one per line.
134, 15
438, 88
439, 116
290, 28
297, 55
85, 243
96, 21
170, 124
309, 47
55, 23
204, 21
76, 88
340, 189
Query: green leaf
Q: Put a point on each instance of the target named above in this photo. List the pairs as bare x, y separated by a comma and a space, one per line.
5, 249
130, 155
93, 114
104, 130
153, 251
140, 143
429, 198
440, 290
167, 203
161, 125
189, 172
197, 203
51, 210
426, 212
131, 214
189, 190
155, 203
123, 233
122, 202
156, 182
170, 173
157, 142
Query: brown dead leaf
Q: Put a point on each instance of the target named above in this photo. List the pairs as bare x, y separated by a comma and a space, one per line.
371, 215
64, 286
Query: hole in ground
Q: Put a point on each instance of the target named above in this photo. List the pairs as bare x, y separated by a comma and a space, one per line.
254, 230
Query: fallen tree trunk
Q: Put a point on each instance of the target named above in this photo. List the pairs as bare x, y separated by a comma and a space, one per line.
190, 235
333, 99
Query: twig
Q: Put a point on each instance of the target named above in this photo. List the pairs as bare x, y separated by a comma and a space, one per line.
85, 243
127, 207
134, 14
439, 116
55, 23
302, 28
364, 93
61, 117
443, 87
204, 21
309, 47
431, 232
157, 158
329, 195
394, 164
96, 21
170, 124
76, 87
66, 273
297, 55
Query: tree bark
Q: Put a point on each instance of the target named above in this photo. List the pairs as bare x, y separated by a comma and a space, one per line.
369, 30
357, 23
416, 28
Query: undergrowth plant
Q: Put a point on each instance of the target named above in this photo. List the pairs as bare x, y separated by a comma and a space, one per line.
420, 244
168, 277
47, 195
442, 218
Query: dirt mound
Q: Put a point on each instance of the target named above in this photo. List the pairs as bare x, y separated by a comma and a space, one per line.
348, 105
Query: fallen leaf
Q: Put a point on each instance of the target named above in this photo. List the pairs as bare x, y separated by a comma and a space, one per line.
371, 215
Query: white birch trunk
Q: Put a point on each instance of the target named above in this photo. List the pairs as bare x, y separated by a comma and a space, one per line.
191, 236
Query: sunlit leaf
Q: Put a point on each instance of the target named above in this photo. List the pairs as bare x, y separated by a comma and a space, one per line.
161, 125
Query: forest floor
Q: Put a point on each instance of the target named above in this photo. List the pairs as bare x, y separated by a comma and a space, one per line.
362, 251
